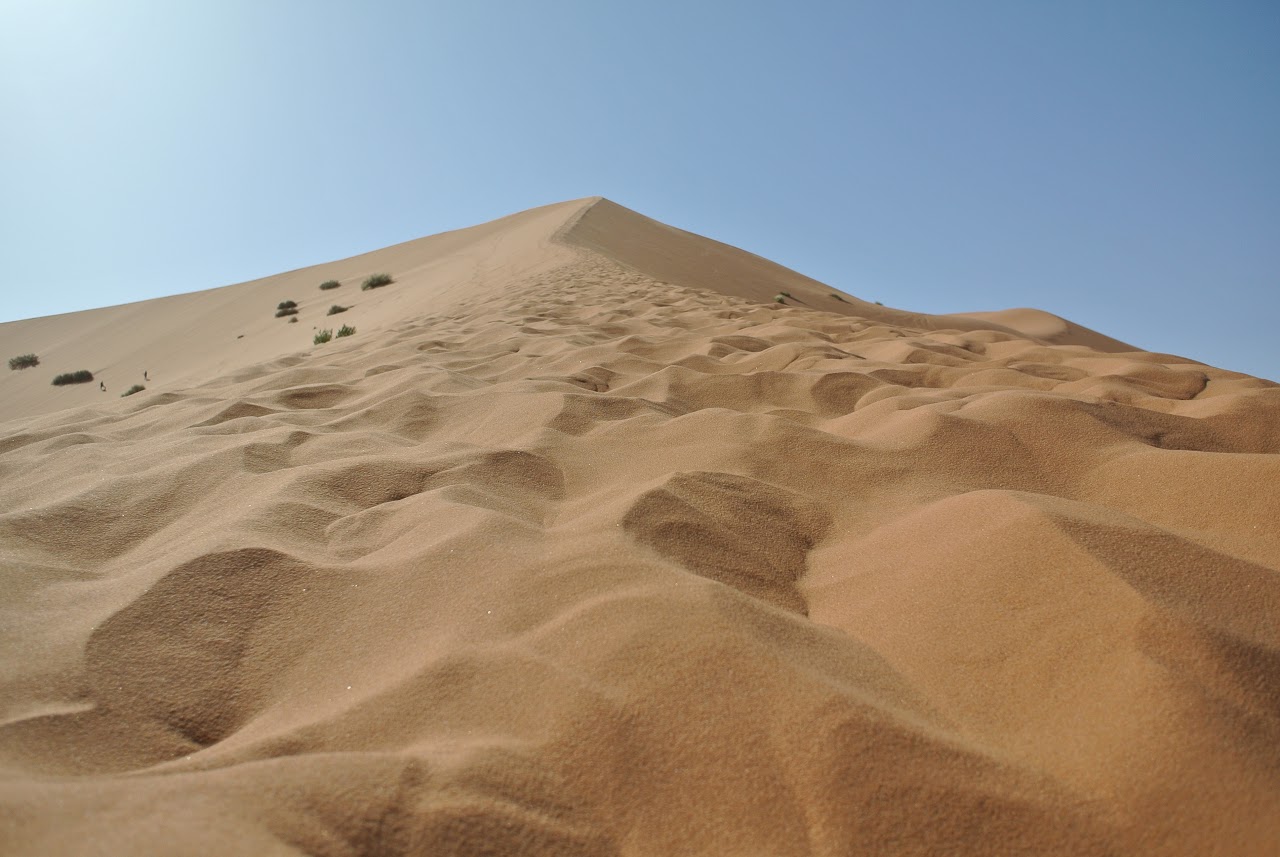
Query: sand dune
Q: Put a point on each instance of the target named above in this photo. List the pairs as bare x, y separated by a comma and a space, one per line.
584, 544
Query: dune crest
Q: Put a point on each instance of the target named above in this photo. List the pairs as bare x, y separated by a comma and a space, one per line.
1048, 328
584, 544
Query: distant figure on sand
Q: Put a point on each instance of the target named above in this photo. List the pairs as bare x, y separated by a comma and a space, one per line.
144, 375
102, 385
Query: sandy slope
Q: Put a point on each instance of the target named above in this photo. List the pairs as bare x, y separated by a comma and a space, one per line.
186, 339
582, 545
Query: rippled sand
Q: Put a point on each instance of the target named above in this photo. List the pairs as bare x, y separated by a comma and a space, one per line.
585, 544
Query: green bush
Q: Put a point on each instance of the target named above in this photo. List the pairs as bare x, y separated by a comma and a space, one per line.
335, 309
329, 284
322, 337
81, 376
286, 310
24, 361
136, 388
346, 330
374, 281
286, 304
293, 320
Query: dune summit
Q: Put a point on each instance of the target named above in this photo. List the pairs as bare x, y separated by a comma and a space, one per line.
586, 543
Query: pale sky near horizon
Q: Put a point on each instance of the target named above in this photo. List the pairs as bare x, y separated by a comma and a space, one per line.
1117, 163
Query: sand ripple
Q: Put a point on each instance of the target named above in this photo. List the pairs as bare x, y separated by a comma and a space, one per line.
604, 563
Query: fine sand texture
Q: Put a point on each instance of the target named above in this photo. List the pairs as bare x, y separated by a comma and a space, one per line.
585, 544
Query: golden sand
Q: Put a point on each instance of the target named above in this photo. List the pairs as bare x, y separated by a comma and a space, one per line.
584, 544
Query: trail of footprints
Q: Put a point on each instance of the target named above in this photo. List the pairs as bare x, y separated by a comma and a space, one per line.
593, 346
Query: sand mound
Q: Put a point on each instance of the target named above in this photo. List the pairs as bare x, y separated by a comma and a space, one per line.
583, 544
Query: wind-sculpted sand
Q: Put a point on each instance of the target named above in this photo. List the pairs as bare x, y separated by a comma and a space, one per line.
583, 544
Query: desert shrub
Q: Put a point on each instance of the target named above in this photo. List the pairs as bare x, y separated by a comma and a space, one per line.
346, 330
136, 388
80, 376
879, 303
322, 337
335, 309
374, 281
780, 299
293, 320
329, 284
286, 304
286, 310
24, 361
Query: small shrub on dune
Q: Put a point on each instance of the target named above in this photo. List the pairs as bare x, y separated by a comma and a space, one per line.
24, 361
374, 281
322, 337
293, 320
283, 311
346, 330
80, 376
329, 284
136, 388
335, 309
286, 304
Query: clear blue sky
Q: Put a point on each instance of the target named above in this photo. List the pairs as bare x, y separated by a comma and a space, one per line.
1114, 162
